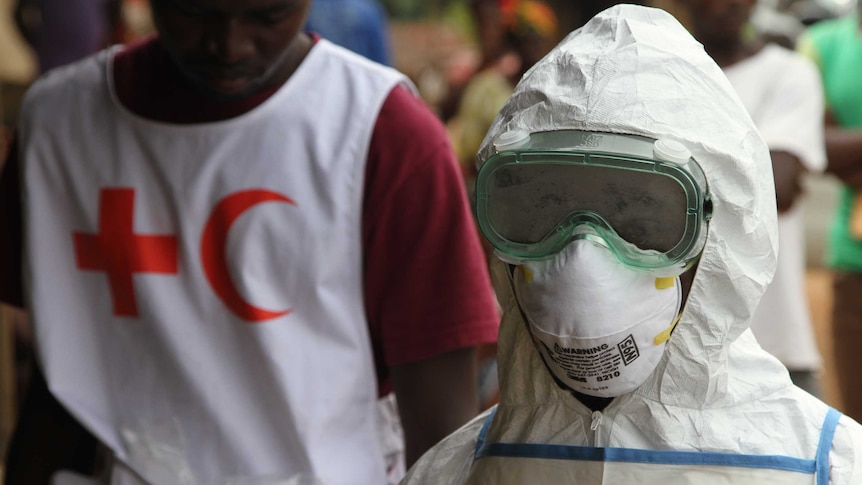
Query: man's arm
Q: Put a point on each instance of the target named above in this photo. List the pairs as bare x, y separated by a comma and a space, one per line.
428, 295
435, 397
787, 170
844, 152
789, 117
46, 437
843, 145
10, 230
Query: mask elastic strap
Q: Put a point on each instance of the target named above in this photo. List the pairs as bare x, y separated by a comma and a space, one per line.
662, 283
664, 336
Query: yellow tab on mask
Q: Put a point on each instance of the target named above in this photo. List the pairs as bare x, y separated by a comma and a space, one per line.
664, 283
528, 275
664, 336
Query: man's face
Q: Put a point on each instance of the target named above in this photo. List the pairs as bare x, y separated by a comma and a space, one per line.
231, 48
719, 22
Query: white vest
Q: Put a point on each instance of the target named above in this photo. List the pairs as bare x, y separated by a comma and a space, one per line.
197, 290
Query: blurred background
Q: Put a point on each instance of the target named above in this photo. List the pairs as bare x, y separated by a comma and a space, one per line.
442, 45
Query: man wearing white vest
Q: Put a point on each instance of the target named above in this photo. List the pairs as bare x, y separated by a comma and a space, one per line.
236, 240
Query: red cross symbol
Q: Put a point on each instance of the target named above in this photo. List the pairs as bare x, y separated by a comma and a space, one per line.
121, 253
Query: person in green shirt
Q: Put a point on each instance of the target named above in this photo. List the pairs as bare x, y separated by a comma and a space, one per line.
836, 47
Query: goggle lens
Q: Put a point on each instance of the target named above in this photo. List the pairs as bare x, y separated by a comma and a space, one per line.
529, 202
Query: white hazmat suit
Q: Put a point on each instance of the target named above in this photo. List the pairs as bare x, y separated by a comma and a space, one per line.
717, 409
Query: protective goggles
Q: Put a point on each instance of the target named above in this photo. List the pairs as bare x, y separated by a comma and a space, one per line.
646, 200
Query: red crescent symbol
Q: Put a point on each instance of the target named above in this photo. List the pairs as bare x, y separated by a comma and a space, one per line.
214, 244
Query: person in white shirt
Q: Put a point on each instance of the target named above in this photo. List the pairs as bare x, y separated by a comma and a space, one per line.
782, 92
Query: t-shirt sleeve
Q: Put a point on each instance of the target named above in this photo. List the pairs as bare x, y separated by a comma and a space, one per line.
427, 288
792, 117
10, 231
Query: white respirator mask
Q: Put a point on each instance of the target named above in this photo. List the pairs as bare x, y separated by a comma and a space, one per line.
600, 327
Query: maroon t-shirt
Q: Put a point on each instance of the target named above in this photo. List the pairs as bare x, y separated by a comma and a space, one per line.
426, 286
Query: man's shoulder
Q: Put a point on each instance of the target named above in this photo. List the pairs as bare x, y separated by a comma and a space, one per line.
781, 59
405, 114
77, 79
354, 60
771, 67
87, 71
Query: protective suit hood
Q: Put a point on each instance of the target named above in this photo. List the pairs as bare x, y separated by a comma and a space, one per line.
636, 70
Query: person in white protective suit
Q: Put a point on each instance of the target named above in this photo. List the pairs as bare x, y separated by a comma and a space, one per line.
630, 202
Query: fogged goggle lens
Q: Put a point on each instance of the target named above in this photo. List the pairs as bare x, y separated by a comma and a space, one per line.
530, 204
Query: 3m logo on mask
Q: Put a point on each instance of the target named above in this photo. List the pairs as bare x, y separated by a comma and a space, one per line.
628, 350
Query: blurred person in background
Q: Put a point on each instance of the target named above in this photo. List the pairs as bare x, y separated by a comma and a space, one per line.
836, 47
514, 35
359, 25
782, 92
137, 21
63, 31
484, 21
153, 326
487, 18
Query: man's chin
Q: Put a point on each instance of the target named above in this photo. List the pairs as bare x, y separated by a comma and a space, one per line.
230, 89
